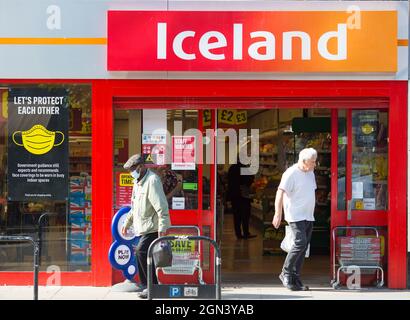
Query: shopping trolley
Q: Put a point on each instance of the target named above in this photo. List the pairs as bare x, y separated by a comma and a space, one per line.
184, 262
358, 251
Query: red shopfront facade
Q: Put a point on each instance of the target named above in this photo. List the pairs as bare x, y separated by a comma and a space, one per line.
334, 91
333, 94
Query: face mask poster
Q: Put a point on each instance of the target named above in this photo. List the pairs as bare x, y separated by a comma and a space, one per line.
38, 144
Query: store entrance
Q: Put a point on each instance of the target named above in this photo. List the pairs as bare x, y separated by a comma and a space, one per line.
256, 257
351, 177
280, 102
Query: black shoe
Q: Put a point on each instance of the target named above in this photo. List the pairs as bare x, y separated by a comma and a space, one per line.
301, 286
288, 283
283, 279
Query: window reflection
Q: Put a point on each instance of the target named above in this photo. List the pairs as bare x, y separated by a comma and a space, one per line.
369, 163
65, 225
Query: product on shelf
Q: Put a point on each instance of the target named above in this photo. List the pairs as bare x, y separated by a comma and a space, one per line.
80, 221
321, 142
264, 190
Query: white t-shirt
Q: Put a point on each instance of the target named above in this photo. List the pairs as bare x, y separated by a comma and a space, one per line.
299, 197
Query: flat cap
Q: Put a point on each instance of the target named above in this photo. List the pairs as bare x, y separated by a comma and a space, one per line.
134, 160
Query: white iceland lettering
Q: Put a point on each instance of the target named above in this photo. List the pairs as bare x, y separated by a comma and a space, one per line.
237, 41
341, 36
262, 49
162, 41
304, 43
205, 46
268, 44
178, 43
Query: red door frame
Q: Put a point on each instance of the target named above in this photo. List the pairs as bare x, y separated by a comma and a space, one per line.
103, 92
374, 218
359, 217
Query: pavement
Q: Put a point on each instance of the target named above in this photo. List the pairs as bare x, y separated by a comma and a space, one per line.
229, 292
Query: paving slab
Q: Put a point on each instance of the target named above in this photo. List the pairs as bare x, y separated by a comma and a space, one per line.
230, 292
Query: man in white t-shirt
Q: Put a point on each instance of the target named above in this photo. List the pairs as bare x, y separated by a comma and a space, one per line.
296, 195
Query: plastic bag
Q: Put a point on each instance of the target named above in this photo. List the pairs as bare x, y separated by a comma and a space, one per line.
162, 254
288, 241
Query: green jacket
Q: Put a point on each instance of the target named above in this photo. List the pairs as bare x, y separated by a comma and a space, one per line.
149, 207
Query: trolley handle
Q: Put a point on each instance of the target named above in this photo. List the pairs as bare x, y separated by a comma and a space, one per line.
355, 228
170, 238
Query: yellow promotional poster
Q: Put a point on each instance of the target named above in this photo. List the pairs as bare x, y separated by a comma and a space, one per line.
124, 186
126, 180
182, 246
38, 140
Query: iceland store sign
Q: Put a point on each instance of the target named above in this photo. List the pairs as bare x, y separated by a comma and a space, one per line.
243, 41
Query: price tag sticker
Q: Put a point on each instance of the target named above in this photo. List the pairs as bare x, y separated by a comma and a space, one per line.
206, 118
227, 117
241, 117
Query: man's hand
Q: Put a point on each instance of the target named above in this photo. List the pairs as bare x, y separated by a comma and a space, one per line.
277, 219
124, 231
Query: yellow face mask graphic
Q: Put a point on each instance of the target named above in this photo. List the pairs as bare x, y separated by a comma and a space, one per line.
38, 140
367, 129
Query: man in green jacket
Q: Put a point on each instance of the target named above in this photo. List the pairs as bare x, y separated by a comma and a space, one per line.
149, 213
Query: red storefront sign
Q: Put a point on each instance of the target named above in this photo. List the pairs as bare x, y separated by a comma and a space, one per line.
285, 41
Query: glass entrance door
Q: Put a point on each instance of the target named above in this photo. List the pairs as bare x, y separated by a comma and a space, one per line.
360, 140
175, 145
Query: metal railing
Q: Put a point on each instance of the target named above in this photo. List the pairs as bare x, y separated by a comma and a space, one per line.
35, 254
40, 231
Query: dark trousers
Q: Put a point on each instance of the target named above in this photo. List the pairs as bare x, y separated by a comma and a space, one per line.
141, 253
302, 231
241, 215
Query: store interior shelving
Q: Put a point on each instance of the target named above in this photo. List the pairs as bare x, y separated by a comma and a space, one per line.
79, 217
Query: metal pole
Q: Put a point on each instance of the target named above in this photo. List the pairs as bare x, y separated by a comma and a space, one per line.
40, 232
36, 267
149, 268
40, 235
